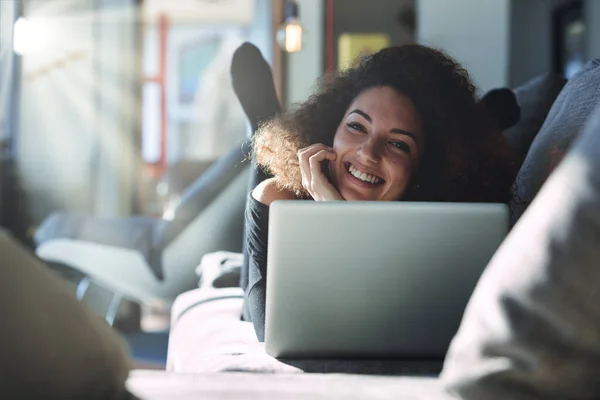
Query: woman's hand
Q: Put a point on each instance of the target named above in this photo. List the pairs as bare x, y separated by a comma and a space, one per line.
314, 179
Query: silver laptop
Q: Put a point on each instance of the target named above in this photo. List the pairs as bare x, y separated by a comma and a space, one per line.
374, 279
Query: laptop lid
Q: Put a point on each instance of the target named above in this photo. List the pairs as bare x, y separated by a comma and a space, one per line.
374, 279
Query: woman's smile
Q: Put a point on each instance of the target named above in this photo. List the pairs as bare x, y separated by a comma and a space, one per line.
359, 176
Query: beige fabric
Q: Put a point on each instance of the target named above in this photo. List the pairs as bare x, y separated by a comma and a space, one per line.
235, 385
207, 336
52, 346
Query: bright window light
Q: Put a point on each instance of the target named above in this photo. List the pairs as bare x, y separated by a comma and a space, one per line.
23, 36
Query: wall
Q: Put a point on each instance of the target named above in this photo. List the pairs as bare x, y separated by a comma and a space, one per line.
8, 11
116, 66
77, 97
55, 142
478, 36
193, 129
501, 42
379, 16
475, 32
306, 66
592, 10
531, 38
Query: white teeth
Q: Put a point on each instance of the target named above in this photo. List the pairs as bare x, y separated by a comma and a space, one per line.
362, 176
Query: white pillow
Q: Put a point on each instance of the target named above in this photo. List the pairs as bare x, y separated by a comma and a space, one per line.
52, 346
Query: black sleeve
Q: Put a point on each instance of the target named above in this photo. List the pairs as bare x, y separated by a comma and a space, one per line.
257, 226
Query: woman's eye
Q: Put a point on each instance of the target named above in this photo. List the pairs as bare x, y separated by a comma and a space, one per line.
402, 146
356, 127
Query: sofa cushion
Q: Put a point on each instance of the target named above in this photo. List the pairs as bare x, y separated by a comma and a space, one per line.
207, 336
502, 106
562, 126
51, 346
235, 385
532, 327
535, 98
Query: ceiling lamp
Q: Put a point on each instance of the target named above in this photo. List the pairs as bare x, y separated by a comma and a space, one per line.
289, 34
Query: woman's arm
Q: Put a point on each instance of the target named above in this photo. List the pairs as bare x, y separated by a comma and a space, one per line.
257, 225
267, 192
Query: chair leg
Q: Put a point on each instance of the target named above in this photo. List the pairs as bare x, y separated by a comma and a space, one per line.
82, 288
109, 309
113, 308
103, 301
128, 318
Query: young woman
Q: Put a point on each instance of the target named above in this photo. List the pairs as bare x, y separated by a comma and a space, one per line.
403, 124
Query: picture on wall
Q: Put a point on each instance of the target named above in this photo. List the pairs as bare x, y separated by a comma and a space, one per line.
354, 45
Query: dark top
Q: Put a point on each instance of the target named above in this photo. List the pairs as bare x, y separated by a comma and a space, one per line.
257, 229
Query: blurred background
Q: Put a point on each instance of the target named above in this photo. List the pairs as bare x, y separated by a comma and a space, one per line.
113, 108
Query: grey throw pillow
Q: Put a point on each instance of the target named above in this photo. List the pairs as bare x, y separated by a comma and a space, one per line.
562, 126
535, 98
51, 346
532, 327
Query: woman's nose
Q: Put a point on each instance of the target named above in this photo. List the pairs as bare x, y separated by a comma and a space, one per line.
370, 150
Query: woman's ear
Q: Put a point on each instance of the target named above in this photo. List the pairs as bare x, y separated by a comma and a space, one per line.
502, 107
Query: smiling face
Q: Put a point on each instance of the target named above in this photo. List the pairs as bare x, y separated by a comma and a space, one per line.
379, 144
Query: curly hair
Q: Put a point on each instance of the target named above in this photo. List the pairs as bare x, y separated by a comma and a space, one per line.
466, 157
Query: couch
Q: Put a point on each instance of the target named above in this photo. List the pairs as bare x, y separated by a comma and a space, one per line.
531, 329
206, 336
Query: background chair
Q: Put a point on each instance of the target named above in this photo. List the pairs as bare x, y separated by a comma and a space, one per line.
148, 259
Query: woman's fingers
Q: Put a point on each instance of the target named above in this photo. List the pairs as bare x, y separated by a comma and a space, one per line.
304, 156
304, 169
311, 150
315, 160
314, 179
320, 187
